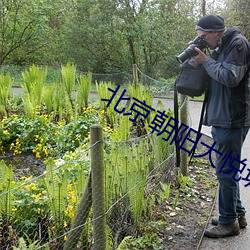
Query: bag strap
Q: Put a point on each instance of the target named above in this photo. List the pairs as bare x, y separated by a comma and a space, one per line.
176, 116
200, 124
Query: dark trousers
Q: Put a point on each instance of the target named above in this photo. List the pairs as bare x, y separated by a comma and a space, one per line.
229, 143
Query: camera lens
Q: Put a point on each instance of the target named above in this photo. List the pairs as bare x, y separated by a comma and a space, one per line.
187, 53
190, 51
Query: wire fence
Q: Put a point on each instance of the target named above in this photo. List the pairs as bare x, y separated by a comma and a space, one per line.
55, 209
40, 212
160, 87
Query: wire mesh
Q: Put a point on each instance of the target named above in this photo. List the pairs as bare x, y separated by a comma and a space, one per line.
43, 211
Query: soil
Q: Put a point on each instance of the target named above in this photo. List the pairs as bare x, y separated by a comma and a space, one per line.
25, 164
187, 222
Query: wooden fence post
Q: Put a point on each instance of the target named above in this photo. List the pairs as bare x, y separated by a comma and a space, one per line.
135, 74
80, 218
98, 195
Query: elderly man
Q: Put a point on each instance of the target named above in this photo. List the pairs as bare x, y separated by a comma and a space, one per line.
228, 112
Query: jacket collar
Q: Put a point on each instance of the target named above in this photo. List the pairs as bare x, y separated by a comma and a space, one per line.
231, 32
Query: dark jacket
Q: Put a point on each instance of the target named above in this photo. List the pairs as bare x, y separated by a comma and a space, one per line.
228, 103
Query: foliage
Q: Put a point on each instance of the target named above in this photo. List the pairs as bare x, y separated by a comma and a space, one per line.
22, 23
236, 13
147, 241
159, 140
106, 36
43, 206
22, 245
30, 204
50, 201
6, 184
68, 74
83, 90
5, 90
34, 81
43, 137
108, 102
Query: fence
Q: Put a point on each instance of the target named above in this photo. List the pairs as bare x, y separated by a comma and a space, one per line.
64, 208
51, 211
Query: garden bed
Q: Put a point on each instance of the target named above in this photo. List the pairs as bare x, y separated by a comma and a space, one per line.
150, 205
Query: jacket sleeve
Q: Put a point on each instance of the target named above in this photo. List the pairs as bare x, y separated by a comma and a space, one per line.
230, 70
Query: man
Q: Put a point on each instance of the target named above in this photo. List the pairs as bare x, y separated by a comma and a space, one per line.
228, 112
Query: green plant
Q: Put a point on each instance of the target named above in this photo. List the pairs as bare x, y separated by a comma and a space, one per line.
184, 181
144, 95
6, 184
5, 90
83, 91
48, 98
161, 141
34, 81
176, 199
126, 172
56, 187
68, 74
30, 207
165, 190
29, 245
147, 241
104, 93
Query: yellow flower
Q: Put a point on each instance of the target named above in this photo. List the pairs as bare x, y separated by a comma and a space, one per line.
6, 132
45, 151
16, 152
38, 155
69, 211
31, 186
14, 209
73, 199
37, 196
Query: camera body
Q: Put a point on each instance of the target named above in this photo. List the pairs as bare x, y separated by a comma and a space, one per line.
190, 51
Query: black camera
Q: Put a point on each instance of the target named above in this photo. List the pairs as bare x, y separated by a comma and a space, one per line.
190, 51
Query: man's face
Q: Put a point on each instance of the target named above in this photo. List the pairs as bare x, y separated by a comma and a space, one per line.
211, 38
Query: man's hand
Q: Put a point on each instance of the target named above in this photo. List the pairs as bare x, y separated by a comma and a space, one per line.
200, 58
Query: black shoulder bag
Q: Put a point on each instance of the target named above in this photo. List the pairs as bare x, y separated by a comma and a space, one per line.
191, 81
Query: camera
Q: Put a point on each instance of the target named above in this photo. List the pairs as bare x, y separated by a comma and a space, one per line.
190, 51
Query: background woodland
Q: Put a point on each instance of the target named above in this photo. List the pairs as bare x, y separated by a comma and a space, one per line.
107, 36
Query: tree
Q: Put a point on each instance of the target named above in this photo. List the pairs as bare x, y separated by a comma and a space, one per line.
21, 21
237, 13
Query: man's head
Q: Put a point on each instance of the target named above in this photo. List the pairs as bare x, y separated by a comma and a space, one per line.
211, 28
